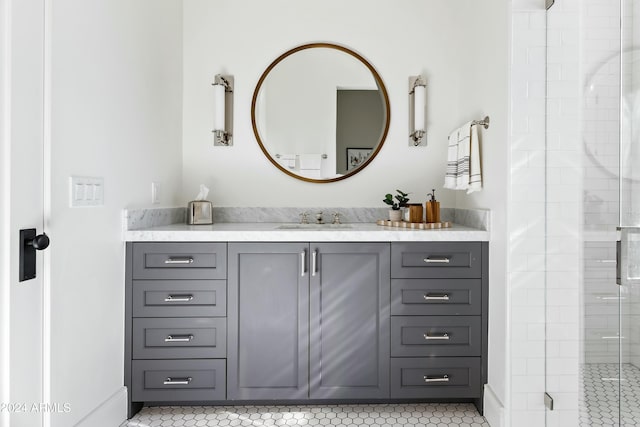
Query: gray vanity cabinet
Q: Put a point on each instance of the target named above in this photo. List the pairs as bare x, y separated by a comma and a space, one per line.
349, 304
175, 322
288, 343
268, 321
296, 321
439, 322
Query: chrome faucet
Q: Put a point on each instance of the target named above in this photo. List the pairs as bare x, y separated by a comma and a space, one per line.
304, 218
319, 218
336, 218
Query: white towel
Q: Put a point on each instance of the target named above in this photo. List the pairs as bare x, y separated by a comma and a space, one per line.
311, 173
452, 161
463, 160
287, 160
457, 174
310, 161
475, 171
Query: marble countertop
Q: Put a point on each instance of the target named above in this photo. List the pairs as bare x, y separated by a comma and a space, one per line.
289, 232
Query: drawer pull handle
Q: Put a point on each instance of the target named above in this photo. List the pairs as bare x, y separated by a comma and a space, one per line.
179, 260
314, 263
177, 381
438, 260
444, 336
178, 338
179, 298
442, 379
436, 297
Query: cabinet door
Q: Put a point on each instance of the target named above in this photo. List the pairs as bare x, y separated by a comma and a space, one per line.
268, 321
349, 307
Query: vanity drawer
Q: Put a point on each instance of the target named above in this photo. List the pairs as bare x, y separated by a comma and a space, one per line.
436, 377
178, 380
179, 298
179, 260
436, 260
187, 338
417, 297
436, 336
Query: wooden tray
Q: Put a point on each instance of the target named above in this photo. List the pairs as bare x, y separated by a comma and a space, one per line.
414, 225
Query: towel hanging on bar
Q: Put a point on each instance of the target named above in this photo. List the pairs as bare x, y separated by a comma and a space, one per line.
463, 160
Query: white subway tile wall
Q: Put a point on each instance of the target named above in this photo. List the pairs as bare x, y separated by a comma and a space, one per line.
547, 79
564, 209
526, 271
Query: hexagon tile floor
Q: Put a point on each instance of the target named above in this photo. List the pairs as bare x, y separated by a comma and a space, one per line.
599, 404
401, 415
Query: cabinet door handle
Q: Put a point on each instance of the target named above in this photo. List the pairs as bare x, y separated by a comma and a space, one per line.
437, 260
314, 262
179, 260
303, 263
436, 297
177, 381
178, 298
178, 338
429, 336
442, 379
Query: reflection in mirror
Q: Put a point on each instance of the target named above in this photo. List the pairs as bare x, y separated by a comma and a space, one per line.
320, 112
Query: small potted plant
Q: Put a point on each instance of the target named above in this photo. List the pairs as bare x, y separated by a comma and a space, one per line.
401, 199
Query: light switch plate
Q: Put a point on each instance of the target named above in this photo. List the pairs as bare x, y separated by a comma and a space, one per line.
86, 191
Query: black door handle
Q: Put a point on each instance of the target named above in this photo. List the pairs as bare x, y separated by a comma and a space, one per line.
29, 243
40, 242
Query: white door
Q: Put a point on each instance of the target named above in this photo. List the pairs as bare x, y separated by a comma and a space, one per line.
21, 167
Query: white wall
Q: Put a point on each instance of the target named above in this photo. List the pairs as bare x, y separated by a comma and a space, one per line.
242, 37
5, 183
467, 78
116, 113
484, 92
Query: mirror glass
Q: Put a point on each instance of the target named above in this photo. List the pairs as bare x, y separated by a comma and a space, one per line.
320, 112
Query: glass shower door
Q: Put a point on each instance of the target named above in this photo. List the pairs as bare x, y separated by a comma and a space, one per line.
629, 281
629, 242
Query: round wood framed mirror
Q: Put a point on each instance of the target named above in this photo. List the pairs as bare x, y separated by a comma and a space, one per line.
320, 112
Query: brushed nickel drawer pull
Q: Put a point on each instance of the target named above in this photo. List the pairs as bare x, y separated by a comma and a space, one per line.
178, 298
444, 336
178, 381
442, 379
303, 263
438, 260
314, 263
178, 338
436, 297
179, 260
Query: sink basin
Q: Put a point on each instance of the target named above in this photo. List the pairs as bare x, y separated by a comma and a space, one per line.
313, 226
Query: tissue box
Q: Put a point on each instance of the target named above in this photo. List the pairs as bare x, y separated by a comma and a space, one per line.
200, 212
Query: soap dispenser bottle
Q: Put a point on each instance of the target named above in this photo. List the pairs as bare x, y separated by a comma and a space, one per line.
432, 208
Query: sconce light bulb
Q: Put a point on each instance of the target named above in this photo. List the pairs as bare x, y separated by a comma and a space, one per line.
419, 99
219, 107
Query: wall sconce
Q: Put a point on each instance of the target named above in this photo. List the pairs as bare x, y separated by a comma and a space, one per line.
417, 109
223, 110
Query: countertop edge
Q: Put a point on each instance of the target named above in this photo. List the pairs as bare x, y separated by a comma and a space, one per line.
385, 234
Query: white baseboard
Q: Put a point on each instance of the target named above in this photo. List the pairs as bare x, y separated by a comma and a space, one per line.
110, 413
493, 408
